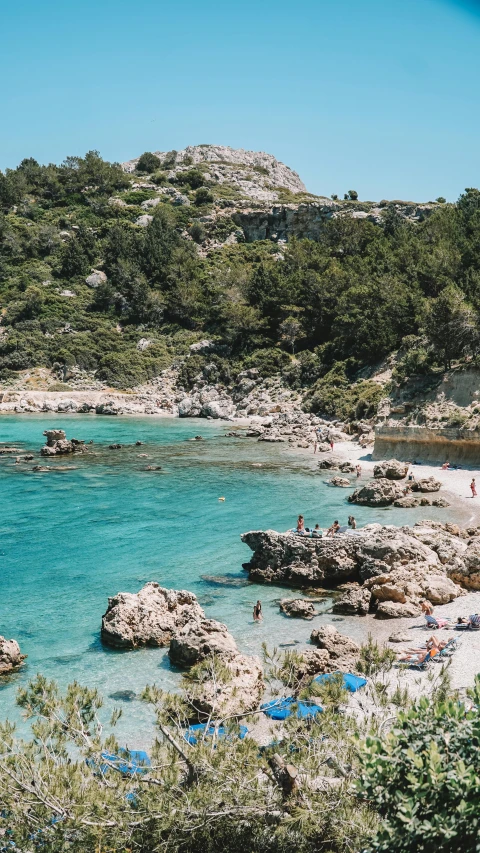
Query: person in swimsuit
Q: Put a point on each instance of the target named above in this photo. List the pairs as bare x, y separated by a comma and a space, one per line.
300, 524
333, 529
257, 612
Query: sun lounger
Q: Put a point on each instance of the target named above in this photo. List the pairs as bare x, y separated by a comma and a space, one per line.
447, 650
416, 663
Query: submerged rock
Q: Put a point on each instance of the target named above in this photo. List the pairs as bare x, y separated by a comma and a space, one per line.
149, 617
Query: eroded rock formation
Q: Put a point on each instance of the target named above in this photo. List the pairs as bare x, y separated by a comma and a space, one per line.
149, 617
10, 656
393, 568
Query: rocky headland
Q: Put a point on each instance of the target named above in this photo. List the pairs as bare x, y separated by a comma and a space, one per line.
389, 570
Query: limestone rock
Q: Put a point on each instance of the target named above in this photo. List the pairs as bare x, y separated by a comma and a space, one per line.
107, 408
395, 610
198, 639
144, 220
355, 601
341, 482
297, 560
400, 637
427, 484
298, 607
330, 463
241, 692
149, 617
440, 590
342, 650
96, 278
391, 470
381, 492
10, 655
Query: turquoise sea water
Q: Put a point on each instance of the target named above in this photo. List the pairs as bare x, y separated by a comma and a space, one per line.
70, 539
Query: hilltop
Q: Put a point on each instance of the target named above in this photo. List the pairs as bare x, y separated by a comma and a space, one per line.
212, 275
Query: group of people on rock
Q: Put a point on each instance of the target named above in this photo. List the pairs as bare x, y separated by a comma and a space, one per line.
317, 532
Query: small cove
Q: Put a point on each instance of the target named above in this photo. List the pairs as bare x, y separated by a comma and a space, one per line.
70, 539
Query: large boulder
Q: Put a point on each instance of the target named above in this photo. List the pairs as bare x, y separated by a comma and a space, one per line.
237, 689
340, 482
96, 277
10, 656
343, 651
149, 617
198, 639
426, 484
396, 610
57, 443
298, 560
391, 470
330, 463
381, 492
298, 607
354, 601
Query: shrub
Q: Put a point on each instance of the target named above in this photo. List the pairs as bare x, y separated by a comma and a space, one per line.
333, 395
194, 178
422, 776
148, 162
203, 196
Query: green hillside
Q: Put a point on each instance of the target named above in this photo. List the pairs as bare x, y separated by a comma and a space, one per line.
316, 311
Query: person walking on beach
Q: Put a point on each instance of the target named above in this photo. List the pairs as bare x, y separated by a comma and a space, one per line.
331, 444
473, 488
257, 612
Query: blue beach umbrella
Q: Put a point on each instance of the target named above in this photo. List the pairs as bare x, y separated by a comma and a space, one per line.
350, 681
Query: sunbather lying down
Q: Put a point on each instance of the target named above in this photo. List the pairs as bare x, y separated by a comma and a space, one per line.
433, 642
418, 656
472, 621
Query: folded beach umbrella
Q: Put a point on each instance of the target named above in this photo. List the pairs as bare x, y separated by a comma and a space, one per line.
350, 681
199, 730
281, 709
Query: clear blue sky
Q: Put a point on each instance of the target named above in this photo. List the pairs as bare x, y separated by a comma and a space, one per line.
381, 96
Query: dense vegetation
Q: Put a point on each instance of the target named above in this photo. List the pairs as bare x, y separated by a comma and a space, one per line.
340, 783
339, 304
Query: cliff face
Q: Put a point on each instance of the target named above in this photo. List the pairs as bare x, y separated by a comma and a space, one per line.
250, 182
307, 220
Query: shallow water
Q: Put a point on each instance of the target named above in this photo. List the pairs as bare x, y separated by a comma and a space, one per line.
70, 539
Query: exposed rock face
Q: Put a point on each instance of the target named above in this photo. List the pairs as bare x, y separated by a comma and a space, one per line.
354, 601
149, 617
343, 652
428, 484
198, 639
299, 607
330, 463
381, 492
10, 656
58, 444
391, 470
240, 693
254, 173
97, 277
297, 560
398, 566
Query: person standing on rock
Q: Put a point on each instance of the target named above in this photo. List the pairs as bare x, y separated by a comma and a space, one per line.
257, 612
473, 488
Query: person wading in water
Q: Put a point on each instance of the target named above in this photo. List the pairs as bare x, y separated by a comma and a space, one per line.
257, 612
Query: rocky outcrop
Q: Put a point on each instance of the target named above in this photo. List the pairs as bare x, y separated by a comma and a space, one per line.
340, 482
343, 652
149, 617
427, 484
57, 443
230, 683
392, 566
301, 608
10, 656
234, 689
197, 640
391, 470
353, 601
298, 560
381, 492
